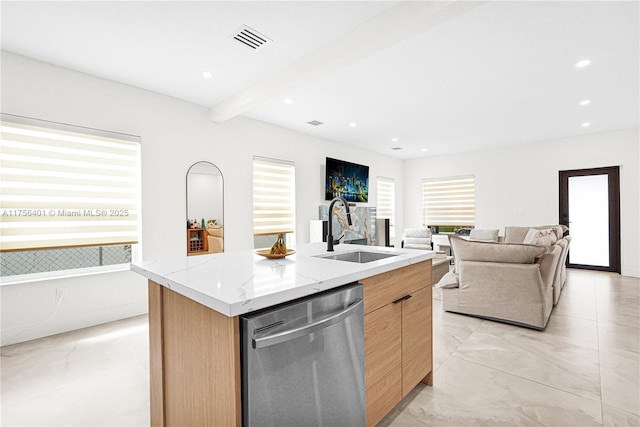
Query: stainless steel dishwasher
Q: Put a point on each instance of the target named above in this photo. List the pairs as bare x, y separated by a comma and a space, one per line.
303, 362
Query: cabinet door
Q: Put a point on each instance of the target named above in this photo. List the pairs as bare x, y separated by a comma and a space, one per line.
383, 361
385, 288
417, 360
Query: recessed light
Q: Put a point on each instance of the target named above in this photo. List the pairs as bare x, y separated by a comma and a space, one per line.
288, 101
353, 124
207, 74
586, 125
394, 139
583, 63
585, 102
423, 150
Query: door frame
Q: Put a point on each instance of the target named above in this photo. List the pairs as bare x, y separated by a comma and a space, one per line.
613, 173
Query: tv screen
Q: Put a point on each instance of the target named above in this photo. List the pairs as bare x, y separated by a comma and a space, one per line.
345, 179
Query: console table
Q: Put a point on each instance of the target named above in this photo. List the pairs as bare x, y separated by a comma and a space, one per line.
439, 267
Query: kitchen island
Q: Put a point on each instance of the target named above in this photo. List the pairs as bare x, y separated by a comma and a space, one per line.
194, 304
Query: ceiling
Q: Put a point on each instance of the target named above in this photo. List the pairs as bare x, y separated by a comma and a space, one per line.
426, 77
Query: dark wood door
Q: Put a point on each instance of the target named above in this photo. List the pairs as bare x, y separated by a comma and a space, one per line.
590, 204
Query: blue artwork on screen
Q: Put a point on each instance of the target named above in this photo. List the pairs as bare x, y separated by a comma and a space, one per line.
345, 179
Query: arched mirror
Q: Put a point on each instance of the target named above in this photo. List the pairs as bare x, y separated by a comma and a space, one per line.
205, 209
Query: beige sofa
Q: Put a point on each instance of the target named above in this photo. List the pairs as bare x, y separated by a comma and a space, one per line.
510, 282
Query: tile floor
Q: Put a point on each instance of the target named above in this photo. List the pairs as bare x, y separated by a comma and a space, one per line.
583, 370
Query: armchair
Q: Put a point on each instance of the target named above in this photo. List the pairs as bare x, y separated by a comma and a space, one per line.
215, 238
416, 238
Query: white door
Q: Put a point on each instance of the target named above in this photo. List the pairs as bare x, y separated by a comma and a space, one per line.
589, 220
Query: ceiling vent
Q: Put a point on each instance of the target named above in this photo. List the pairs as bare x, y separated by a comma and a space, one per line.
315, 123
251, 38
396, 148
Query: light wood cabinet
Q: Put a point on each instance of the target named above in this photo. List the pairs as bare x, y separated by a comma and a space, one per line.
417, 360
398, 338
383, 360
195, 362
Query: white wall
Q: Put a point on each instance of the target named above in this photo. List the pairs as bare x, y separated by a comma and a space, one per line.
31, 310
518, 185
175, 134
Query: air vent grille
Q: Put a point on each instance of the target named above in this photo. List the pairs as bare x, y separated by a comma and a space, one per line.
251, 38
396, 148
315, 123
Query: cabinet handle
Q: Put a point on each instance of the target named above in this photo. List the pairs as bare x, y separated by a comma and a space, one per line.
406, 297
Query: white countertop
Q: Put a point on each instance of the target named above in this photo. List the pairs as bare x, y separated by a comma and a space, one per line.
235, 283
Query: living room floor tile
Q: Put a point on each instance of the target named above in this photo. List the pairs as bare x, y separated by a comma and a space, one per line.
614, 417
469, 394
621, 381
117, 397
578, 298
402, 418
548, 359
613, 281
623, 340
569, 330
618, 307
449, 332
48, 363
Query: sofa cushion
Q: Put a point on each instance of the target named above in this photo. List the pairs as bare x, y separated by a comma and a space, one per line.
557, 229
417, 246
464, 250
417, 240
417, 232
487, 235
516, 234
545, 237
448, 281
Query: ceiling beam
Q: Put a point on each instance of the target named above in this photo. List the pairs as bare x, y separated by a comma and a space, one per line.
392, 26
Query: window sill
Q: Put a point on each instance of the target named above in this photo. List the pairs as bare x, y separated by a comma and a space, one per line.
62, 274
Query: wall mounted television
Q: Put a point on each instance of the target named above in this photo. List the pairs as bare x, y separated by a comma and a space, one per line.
346, 179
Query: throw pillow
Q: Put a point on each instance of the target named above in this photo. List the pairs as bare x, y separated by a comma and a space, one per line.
540, 237
557, 229
448, 281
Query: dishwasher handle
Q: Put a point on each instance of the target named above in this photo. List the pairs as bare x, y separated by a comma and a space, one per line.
291, 334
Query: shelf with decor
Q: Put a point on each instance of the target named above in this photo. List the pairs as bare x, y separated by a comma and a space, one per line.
197, 241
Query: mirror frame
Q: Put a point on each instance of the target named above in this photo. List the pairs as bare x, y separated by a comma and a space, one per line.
202, 162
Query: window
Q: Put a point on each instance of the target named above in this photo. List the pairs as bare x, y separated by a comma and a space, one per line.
386, 188
274, 199
66, 190
449, 201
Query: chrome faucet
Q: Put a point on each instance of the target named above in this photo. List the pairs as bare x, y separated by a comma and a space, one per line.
330, 241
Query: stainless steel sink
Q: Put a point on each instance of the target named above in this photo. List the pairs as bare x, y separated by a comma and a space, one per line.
359, 257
